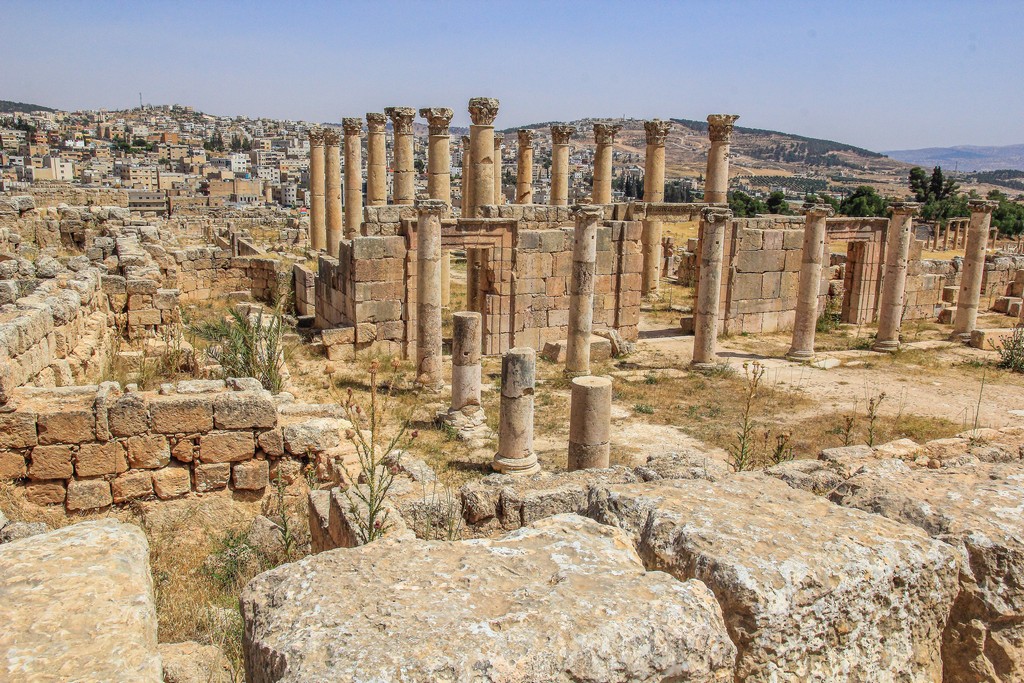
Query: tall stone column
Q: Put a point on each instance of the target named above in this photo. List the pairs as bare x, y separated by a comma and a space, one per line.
590, 415
894, 281
560, 136
467, 179
815, 216
317, 202
439, 155
604, 136
581, 290
499, 197
714, 223
483, 111
515, 421
966, 317
716, 180
656, 132
332, 175
404, 181
353, 145
376, 160
466, 368
428, 292
524, 167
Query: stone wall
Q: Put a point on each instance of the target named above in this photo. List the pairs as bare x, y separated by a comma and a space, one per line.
201, 273
54, 193
90, 446
305, 289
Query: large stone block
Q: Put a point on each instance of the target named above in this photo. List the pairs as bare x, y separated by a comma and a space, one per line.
51, 462
12, 465
131, 485
88, 494
226, 446
171, 482
187, 414
975, 507
73, 424
211, 476
45, 492
563, 600
244, 410
250, 476
809, 592
128, 416
98, 459
312, 436
17, 430
148, 451
77, 605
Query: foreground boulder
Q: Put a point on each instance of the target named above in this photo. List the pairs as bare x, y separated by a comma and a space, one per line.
76, 604
565, 599
977, 509
809, 590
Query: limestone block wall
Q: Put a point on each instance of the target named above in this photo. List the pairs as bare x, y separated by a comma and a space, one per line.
999, 274
200, 273
305, 289
88, 447
54, 193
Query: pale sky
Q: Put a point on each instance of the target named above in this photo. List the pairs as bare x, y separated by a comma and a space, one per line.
881, 75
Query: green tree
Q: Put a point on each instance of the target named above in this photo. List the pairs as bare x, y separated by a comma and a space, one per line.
745, 206
777, 204
864, 202
1008, 216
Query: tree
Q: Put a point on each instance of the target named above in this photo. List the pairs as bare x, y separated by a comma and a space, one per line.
864, 202
745, 206
822, 199
777, 204
1008, 216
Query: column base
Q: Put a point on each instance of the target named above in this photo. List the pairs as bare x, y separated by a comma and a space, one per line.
888, 346
517, 466
961, 337
704, 366
799, 356
469, 422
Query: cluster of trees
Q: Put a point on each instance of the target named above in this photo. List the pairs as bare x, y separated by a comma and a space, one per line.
632, 186
938, 195
745, 206
237, 144
1008, 216
136, 145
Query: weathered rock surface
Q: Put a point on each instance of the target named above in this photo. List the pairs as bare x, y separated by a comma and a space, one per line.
15, 531
190, 662
979, 510
809, 590
76, 604
562, 600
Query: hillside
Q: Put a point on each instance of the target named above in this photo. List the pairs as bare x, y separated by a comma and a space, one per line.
965, 157
8, 107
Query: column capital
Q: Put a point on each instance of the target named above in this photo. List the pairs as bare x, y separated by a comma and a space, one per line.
815, 209
498, 139
905, 207
331, 137
465, 141
401, 119
435, 206
438, 118
982, 205
525, 136
604, 133
715, 214
561, 132
720, 126
483, 110
316, 137
375, 122
587, 212
656, 131
352, 125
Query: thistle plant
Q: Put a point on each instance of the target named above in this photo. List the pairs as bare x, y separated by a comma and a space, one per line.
743, 455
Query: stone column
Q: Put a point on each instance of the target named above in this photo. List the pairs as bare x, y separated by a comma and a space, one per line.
966, 316
446, 279
317, 202
332, 175
590, 415
515, 422
806, 322
716, 180
467, 179
945, 236
714, 223
404, 181
894, 281
483, 111
353, 143
466, 362
956, 235
656, 132
560, 135
604, 136
524, 167
376, 160
428, 292
499, 197
581, 290
439, 156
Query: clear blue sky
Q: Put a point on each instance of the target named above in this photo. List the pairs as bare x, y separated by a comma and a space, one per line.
883, 75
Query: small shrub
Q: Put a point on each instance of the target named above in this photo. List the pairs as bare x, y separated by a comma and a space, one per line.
643, 408
1011, 351
246, 346
741, 454
829, 319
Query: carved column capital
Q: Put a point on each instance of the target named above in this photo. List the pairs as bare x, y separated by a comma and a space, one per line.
525, 136
561, 132
498, 139
587, 212
331, 137
657, 131
982, 205
352, 126
715, 214
376, 122
401, 119
316, 137
435, 206
604, 133
483, 110
465, 143
438, 118
905, 207
815, 209
720, 126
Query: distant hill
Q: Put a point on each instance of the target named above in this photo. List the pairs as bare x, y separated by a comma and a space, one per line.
8, 107
965, 157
